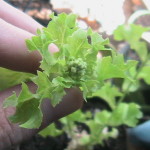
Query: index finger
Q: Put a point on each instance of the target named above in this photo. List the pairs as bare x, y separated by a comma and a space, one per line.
13, 51
18, 18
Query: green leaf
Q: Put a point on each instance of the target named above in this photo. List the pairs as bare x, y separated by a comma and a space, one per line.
132, 34
102, 117
9, 78
78, 43
10, 101
109, 94
28, 114
85, 140
25, 94
133, 115
51, 130
141, 49
57, 94
59, 29
119, 61
127, 114
44, 85
34, 44
71, 20
106, 69
31, 46
64, 82
98, 42
119, 115
131, 87
114, 67
95, 132
77, 116
144, 74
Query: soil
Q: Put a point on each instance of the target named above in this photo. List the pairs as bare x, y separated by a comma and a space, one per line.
49, 143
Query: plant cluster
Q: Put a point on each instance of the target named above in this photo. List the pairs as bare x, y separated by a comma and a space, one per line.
77, 65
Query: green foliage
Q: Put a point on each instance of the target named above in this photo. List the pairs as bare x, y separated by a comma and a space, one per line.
99, 124
51, 130
121, 113
75, 65
10, 78
127, 114
132, 34
108, 66
32, 116
109, 94
144, 74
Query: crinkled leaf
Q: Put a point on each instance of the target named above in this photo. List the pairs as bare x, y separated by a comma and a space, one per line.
93, 127
10, 101
57, 94
59, 28
25, 94
127, 114
102, 117
78, 43
9, 78
44, 85
114, 67
140, 48
31, 46
34, 44
28, 114
71, 20
133, 114
76, 116
109, 94
98, 43
51, 130
106, 69
145, 74
132, 34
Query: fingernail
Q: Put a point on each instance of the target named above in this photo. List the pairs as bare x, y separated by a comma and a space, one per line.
53, 48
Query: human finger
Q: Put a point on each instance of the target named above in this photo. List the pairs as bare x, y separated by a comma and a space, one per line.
18, 18
13, 51
14, 54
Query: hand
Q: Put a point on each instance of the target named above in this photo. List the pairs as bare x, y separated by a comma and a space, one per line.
15, 27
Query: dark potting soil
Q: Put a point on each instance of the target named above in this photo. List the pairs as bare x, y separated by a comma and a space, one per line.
48, 143
60, 143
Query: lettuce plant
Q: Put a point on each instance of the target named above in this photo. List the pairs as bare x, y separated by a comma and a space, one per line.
75, 65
